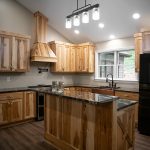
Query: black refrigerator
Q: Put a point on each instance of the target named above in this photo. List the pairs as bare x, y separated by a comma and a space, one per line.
144, 95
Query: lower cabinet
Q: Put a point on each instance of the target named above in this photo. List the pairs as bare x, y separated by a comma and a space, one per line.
4, 112
125, 128
130, 96
17, 106
11, 107
29, 105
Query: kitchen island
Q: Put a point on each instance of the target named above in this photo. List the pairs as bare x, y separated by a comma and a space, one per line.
87, 121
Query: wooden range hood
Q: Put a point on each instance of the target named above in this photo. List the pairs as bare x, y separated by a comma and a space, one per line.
40, 50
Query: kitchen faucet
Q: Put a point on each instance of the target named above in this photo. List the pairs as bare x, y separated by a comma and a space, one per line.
112, 81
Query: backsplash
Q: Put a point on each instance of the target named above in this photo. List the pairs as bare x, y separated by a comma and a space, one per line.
10, 80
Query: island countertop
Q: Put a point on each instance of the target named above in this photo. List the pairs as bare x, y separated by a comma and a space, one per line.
88, 97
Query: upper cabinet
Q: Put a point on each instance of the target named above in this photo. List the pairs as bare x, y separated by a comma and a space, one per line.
73, 57
138, 50
14, 52
142, 45
146, 41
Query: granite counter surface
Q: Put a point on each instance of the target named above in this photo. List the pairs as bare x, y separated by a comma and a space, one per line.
88, 97
92, 98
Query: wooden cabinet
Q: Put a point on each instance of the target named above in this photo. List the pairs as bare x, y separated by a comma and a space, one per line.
103, 91
29, 105
125, 128
17, 106
14, 52
80, 89
85, 58
73, 57
11, 107
138, 50
64, 55
146, 42
129, 96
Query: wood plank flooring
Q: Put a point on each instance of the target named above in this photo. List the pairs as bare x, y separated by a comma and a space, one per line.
29, 136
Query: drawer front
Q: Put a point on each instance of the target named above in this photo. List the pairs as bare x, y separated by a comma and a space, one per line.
127, 95
9, 96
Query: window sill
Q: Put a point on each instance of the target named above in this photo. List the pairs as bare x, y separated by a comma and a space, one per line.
117, 80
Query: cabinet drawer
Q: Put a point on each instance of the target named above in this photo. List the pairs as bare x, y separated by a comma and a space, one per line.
13, 95
127, 95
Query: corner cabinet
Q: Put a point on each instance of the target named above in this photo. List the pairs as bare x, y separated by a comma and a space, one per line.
73, 57
14, 52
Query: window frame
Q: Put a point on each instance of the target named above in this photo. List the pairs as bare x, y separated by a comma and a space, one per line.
116, 54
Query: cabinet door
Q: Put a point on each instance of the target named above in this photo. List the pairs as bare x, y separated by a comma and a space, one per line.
91, 61
125, 129
19, 54
138, 50
29, 105
72, 59
5, 53
146, 42
4, 112
84, 58
60, 53
16, 110
78, 59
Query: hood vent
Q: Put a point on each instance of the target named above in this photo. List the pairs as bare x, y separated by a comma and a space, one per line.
40, 50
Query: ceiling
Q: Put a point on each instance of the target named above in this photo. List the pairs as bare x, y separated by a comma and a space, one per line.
115, 14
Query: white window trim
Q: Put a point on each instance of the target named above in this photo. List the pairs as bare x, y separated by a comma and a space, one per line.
110, 50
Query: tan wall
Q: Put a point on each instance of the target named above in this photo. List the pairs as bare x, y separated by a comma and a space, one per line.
16, 18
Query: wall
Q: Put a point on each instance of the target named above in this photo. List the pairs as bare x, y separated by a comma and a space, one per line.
87, 79
16, 18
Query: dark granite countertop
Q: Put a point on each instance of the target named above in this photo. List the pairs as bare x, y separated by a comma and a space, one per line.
88, 97
19, 89
134, 90
123, 103
92, 98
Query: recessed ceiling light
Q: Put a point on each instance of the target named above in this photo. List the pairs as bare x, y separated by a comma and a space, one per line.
136, 16
76, 31
101, 25
111, 36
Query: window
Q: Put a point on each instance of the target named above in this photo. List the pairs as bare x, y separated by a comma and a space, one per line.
119, 63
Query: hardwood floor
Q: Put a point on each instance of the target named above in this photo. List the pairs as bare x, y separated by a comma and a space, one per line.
29, 136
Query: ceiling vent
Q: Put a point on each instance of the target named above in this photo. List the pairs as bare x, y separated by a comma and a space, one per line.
40, 50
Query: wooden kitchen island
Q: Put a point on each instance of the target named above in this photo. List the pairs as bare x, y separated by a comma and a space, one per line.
87, 121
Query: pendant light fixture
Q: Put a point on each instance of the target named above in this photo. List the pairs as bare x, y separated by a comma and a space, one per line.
76, 20
75, 16
95, 14
85, 17
68, 23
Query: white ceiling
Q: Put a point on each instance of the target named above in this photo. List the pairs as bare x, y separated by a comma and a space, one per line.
115, 14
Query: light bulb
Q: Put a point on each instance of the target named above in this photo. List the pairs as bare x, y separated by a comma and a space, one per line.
101, 25
76, 20
112, 36
76, 31
136, 16
68, 23
95, 13
85, 17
